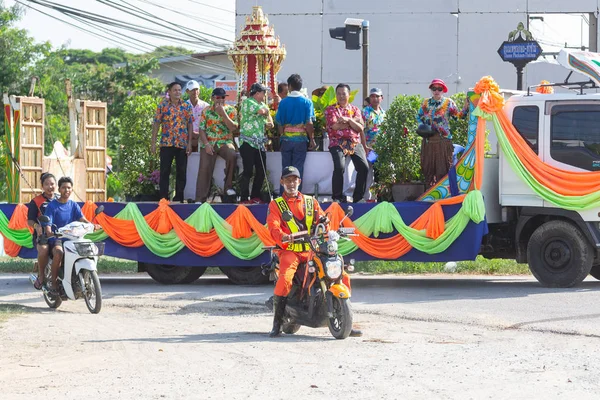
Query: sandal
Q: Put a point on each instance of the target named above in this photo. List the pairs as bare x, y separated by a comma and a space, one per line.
38, 285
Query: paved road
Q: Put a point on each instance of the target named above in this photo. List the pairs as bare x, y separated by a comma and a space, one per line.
512, 302
425, 337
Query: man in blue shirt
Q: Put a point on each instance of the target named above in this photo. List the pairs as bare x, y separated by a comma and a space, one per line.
60, 212
295, 117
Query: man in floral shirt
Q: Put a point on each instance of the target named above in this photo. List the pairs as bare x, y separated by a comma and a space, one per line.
175, 117
373, 116
346, 138
217, 124
253, 119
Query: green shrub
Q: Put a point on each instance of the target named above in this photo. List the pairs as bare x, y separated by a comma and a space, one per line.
135, 157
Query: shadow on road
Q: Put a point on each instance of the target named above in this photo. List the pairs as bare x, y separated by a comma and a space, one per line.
225, 337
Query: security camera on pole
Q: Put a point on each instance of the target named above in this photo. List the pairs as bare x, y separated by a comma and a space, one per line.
350, 34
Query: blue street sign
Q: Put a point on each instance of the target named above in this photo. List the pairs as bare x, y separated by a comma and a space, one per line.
524, 51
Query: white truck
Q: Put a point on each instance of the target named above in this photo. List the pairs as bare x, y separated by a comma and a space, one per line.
560, 246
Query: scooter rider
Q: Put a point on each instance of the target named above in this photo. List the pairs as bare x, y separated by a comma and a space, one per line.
306, 212
61, 212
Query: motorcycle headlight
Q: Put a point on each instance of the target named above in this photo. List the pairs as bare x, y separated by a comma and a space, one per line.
333, 268
89, 249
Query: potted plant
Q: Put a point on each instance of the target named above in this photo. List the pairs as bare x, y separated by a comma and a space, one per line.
399, 152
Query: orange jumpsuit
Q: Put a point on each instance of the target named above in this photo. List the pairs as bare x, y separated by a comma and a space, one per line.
290, 260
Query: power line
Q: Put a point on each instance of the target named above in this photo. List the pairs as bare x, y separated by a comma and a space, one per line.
158, 21
212, 22
211, 6
119, 24
78, 27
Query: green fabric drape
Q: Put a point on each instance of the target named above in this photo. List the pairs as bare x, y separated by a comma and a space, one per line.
22, 237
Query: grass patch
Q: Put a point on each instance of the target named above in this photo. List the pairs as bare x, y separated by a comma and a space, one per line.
9, 310
480, 266
105, 264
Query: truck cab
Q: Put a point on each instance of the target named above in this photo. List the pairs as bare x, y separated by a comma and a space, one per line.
559, 245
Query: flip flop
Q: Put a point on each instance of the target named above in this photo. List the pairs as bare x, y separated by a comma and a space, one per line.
38, 284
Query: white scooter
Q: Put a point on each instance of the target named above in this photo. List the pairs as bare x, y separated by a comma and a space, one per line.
78, 276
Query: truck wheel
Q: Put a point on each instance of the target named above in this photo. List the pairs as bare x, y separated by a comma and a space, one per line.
559, 255
173, 275
194, 274
595, 272
245, 275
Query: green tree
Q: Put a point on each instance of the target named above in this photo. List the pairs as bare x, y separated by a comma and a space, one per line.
17, 51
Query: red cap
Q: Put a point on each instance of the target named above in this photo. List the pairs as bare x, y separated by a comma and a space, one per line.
439, 82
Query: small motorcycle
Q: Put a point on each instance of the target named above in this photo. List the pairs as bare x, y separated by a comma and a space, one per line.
78, 276
318, 297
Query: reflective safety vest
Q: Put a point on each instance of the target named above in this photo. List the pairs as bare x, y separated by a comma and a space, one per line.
309, 215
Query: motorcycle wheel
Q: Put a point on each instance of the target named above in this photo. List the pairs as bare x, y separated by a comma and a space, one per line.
341, 323
52, 301
92, 292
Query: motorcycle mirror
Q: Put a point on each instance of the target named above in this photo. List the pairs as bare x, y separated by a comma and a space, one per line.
349, 211
99, 210
44, 218
287, 216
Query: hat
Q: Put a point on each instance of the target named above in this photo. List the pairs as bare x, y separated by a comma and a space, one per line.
191, 85
257, 87
219, 92
290, 171
376, 91
441, 83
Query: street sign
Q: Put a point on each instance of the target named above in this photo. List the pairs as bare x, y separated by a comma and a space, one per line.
520, 51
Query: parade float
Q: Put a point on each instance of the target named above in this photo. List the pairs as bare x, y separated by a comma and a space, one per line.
538, 210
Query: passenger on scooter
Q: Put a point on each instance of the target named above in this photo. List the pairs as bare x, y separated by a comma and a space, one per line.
61, 212
292, 255
35, 209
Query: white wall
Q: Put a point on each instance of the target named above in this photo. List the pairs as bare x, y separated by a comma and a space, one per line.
411, 41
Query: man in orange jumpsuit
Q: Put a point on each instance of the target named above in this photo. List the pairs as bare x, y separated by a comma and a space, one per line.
292, 255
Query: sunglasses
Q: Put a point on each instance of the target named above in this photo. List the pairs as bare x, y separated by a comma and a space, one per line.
220, 97
437, 89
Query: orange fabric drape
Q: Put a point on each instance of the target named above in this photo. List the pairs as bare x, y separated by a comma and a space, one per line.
566, 183
243, 223
164, 219
18, 220
89, 210
396, 246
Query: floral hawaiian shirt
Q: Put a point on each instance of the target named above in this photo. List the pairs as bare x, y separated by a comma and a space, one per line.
197, 112
346, 138
373, 120
216, 130
437, 114
174, 120
252, 125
